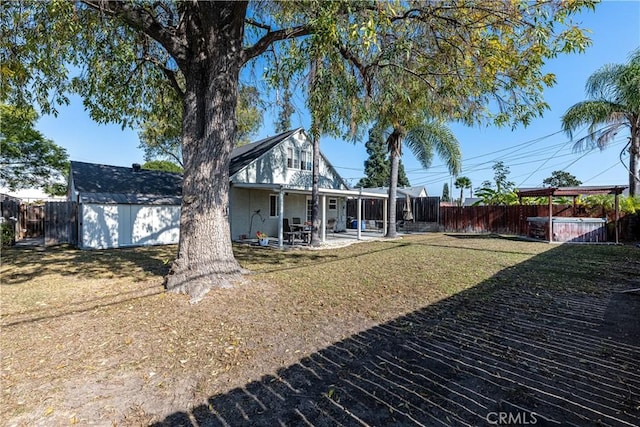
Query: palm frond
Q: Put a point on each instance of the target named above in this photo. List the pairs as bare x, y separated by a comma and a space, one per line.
423, 140
629, 84
462, 182
599, 138
593, 113
418, 142
602, 84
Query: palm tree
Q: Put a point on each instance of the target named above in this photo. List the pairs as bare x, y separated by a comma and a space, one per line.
422, 139
614, 92
462, 182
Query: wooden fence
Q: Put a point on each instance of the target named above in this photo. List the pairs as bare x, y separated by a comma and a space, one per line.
28, 219
31, 220
10, 208
492, 219
423, 209
61, 223
496, 219
513, 219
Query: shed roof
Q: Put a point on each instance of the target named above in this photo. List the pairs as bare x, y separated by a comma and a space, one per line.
571, 191
98, 183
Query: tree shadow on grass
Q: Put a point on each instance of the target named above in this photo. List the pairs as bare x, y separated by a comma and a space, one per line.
487, 236
20, 265
276, 260
541, 354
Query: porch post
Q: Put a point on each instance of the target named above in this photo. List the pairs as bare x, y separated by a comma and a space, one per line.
384, 216
550, 218
280, 217
323, 224
359, 218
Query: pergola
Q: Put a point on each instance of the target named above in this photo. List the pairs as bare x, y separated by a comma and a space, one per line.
574, 192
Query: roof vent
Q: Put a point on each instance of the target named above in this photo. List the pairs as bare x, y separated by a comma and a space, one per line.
136, 167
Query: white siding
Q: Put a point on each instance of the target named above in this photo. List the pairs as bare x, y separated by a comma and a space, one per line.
112, 226
244, 204
272, 168
154, 225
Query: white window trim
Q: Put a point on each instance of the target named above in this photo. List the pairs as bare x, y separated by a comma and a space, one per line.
308, 213
277, 205
296, 160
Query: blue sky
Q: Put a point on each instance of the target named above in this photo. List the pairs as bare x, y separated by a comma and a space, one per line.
531, 153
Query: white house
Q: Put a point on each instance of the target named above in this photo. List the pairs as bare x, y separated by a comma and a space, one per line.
270, 181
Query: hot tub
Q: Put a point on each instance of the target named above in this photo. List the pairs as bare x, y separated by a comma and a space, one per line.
592, 230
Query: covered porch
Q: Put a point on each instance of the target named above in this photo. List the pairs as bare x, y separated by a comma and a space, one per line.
274, 208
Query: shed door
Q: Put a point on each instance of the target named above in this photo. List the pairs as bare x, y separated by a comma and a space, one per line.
154, 225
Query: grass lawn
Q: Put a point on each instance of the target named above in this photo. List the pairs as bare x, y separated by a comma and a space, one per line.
430, 329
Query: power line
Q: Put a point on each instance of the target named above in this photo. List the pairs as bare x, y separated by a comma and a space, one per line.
440, 176
543, 163
508, 157
606, 170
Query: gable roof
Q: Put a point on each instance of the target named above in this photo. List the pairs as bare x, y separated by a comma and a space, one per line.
245, 154
242, 156
115, 184
98, 183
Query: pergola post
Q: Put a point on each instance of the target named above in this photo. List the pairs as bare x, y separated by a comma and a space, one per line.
617, 204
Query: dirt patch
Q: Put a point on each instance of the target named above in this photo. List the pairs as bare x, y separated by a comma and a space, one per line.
426, 329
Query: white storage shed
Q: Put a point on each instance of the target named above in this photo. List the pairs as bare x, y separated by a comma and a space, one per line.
120, 206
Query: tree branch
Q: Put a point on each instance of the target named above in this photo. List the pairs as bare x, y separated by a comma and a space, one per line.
168, 72
144, 20
258, 24
349, 56
413, 73
273, 36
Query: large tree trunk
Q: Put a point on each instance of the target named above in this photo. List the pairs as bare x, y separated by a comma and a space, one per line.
634, 159
205, 254
394, 143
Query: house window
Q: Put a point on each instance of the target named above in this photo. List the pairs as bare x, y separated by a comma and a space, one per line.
299, 159
305, 160
333, 204
309, 209
296, 159
289, 157
274, 205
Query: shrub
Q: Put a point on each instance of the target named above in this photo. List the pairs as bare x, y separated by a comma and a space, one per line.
8, 234
628, 205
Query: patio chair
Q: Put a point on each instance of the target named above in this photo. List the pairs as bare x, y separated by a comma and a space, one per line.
288, 233
304, 232
331, 223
